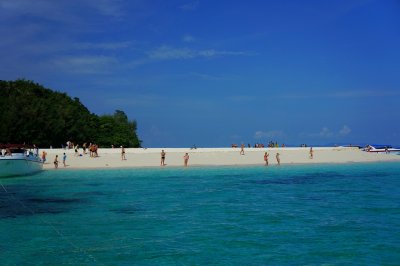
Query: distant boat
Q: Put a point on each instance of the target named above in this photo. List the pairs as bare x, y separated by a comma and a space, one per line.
16, 160
386, 149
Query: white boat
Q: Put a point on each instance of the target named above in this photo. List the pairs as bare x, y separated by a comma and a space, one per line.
18, 161
384, 149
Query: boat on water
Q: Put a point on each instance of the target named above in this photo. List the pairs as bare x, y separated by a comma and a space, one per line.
17, 160
381, 149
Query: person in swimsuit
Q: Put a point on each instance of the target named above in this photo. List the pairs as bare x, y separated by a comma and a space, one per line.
311, 153
56, 162
266, 158
84, 148
64, 159
77, 150
163, 158
186, 159
278, 160
123, 153
44, 156
242, 149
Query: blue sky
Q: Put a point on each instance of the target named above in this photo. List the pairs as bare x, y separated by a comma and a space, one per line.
212, 73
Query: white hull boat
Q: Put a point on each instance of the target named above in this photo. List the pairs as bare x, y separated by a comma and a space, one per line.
386, 149
20, 163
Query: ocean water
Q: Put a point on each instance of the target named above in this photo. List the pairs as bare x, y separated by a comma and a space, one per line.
345, 214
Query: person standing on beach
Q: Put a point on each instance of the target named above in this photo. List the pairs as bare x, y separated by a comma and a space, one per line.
163, 158
44, 154
56, 162
266, 158
311, 153
77, 150
186, 159
242, 149
64, 159
278, 160
84, 148
123, 153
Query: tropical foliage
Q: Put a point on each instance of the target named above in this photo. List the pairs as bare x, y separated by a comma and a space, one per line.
32, 114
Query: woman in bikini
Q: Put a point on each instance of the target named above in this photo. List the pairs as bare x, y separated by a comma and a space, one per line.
163, 158
266, 158
56, 162
186, 159
123, 153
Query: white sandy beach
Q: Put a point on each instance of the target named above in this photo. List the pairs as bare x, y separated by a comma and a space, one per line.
138, 157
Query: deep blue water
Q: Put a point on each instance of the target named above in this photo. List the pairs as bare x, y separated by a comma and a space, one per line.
290, 215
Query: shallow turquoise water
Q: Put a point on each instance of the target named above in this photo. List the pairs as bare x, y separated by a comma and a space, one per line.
288, 215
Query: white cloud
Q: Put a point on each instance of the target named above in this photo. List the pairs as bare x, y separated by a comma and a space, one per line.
241, 98
85, 64
103, 46
325, 133
348, 94
107, 7
207, 76
190, 6
344, 131
188, 38
268, 134
155, 131
60, 10
170, 53
165, 53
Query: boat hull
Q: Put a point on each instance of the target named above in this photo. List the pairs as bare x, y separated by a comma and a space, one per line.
19, 166
385, 151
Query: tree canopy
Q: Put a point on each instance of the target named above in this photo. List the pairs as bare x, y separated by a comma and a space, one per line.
32, 114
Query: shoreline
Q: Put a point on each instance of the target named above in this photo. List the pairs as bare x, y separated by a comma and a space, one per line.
110, 158
172, 167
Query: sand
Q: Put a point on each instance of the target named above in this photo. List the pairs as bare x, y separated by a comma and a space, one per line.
138, 157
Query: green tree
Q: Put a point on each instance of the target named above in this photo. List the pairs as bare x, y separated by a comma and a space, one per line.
32, 114
118, 130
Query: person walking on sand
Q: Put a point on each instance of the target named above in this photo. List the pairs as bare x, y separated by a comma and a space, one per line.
186, 159
163, 158
278, 160
123, 153
56, 162
266, 158
311, 153
64, 159
44, 154
242, 149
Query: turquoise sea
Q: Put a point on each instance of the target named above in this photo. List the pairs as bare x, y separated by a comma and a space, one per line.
345, 214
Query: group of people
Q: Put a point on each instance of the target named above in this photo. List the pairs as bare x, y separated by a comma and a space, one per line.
6, 152
185, 158
92, 147
266, 156
270, 144
64, 159
163, 156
